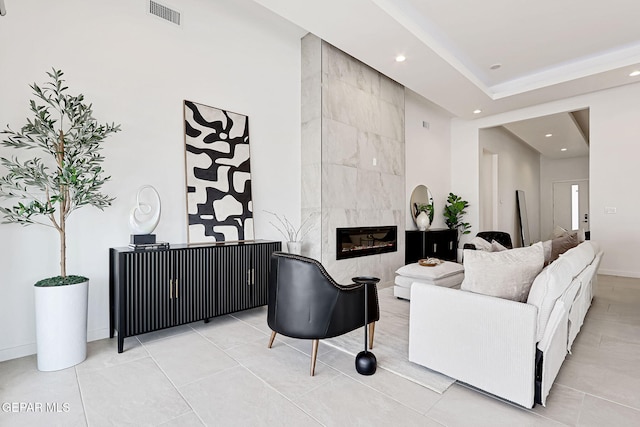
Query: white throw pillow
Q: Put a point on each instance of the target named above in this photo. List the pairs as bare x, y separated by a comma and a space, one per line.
497, 247
507, 274
481, 244
562, 245
558, 232
546, 245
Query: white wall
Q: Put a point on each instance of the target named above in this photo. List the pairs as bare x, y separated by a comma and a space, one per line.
613, 167
518, 169
136, 70
428, 153
554, 170
613, 178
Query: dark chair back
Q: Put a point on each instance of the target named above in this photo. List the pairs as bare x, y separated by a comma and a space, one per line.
499, 236
305, 302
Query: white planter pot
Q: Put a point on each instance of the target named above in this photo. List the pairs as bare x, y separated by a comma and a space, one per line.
61, 325
294, 247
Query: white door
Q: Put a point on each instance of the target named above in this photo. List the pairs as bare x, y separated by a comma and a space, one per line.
571, 204
489, 191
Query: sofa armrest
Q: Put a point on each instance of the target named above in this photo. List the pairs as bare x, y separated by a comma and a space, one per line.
484, 341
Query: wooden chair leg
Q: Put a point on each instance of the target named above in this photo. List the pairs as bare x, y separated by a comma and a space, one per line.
273, 337
314, 354
372, 329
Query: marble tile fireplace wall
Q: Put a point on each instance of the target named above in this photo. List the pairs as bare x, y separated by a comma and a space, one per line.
353, 155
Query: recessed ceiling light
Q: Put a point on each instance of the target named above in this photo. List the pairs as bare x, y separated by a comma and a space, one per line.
477, 111
634, 73
549, 135
400, 58
495, 66
563, 149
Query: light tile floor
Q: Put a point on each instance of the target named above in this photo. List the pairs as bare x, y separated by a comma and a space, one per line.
222, 374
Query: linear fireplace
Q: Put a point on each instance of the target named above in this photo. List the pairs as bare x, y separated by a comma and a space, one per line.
361, 241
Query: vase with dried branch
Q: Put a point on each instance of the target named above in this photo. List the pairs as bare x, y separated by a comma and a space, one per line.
293, 235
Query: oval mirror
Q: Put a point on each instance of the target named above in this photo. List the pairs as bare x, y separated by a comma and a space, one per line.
421, 199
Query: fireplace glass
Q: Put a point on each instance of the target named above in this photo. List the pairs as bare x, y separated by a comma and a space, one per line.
361, 241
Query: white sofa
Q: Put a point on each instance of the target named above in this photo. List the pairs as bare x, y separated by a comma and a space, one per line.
511, 349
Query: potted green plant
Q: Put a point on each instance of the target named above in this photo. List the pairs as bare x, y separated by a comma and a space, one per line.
46, 190
454, 210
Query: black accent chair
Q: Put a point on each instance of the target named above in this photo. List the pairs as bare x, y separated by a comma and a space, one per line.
499, 236
305, 302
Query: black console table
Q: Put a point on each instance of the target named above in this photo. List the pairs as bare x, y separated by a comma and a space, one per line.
157, 289
439, 242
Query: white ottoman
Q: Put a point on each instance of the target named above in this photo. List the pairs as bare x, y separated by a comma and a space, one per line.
448, 274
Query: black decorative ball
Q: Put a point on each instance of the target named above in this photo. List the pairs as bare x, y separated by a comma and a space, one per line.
366, 363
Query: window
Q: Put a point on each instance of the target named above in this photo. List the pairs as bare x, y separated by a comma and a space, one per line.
575, 204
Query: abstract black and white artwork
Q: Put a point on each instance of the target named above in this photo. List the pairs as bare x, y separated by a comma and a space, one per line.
218, 174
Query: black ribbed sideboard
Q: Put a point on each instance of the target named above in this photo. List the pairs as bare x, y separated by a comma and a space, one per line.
157, 289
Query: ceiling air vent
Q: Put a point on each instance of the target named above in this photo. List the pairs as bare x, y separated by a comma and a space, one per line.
164, 12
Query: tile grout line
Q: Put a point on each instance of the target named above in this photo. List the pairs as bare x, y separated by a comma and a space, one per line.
357, 379
584, 395
173, 385
612, 401
283, 396
166, 337
512, 404
240, 364
84, 407
353, 378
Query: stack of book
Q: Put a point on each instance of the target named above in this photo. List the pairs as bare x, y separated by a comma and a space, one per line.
149, 246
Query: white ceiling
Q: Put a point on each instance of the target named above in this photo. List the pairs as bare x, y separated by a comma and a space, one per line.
547, 49
551, 134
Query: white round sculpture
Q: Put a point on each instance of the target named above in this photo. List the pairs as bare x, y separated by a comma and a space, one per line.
144, 217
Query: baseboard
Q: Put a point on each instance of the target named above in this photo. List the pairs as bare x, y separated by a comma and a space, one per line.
17, 352
29, 349
97, 334
608, 272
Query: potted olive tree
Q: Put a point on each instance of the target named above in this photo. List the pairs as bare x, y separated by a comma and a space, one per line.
45, 190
